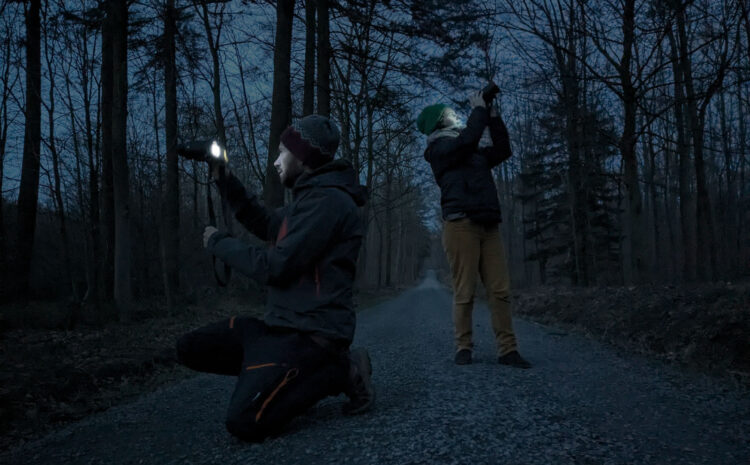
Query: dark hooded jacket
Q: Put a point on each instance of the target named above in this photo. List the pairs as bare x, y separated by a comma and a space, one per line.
310, 264
463, 170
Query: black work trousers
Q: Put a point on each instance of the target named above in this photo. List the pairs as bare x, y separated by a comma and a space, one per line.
280, 373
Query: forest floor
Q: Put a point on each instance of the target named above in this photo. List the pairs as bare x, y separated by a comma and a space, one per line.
51, 376
703, 326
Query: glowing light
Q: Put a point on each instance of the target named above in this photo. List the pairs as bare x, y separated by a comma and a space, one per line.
215, 149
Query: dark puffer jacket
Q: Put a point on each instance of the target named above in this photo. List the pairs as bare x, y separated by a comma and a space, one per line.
310, 265
463, 170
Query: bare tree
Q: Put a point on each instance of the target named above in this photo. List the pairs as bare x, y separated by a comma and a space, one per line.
557, 25
107, 206
720, 48
122, 285
29, 189
80, 36
9, 79
308, 99
51, 36
683, 151
171, 229
281, 104
214, 44
245, 114
324, 59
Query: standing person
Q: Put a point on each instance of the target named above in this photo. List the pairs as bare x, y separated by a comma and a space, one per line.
299, 353
471, 213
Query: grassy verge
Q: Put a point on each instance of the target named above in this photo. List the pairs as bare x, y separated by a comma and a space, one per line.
51, 376
703, 326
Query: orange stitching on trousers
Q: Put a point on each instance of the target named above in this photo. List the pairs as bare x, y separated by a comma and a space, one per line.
262, 365
290, 375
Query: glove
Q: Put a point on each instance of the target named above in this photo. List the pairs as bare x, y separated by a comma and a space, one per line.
207, 233
476, 100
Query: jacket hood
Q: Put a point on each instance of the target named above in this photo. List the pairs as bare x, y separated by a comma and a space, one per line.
337, 173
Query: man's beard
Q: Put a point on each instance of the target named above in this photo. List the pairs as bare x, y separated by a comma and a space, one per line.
291, 178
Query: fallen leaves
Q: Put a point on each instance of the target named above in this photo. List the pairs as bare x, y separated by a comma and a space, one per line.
707, 325
52, 376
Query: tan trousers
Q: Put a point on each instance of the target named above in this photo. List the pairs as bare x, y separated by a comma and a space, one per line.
474, 249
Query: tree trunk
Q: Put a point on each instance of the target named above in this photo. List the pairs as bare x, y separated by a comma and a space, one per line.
344, 108
657, 261
196, 188
686, 196
171, 235
56, 181
213, 47
308, 101
729, 205
28, 192
388, 216
570, 80
122, 286
634, 206
60, 206
704, 217
671, 212
281, 102
743, 190
3, 139
94, 250
367, 209
628, 139
381, 242
107, 207
706, 245
324, 59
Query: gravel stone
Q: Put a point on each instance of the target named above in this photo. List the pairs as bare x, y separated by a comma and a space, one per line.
581, 403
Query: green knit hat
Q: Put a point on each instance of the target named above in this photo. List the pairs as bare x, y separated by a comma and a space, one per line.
428, 120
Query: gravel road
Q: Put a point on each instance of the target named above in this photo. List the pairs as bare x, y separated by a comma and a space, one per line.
582, 403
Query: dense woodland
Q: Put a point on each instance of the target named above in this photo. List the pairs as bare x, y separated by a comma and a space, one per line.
628, 121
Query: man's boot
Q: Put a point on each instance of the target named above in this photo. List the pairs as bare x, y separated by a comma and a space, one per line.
359, 386
514, 359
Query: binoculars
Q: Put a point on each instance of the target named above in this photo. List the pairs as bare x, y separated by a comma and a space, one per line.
211, 151
489, 92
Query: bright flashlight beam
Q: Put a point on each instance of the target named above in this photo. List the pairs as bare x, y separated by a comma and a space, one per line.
215, 150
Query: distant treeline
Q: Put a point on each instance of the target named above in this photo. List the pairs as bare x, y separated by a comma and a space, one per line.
628, 123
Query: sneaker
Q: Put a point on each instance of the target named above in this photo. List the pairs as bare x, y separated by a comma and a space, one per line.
463, 357
514, 359
359, 388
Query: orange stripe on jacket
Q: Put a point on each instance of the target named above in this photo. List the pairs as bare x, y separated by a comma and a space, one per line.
283, 230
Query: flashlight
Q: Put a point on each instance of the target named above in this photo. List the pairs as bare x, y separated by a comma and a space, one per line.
214, 153
204, 150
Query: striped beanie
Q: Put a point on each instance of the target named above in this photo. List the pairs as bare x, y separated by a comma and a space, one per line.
313, 140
